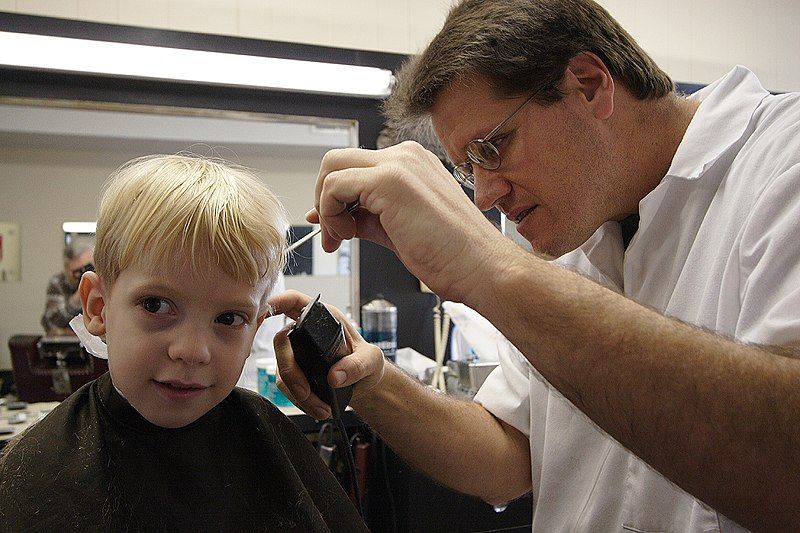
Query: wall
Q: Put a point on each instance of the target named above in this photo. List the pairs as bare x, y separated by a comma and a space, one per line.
700, 40
386, 25
43, 184
694, 40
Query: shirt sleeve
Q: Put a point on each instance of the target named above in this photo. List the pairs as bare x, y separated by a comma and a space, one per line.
57, 311
511, 388
506, 392
769, 266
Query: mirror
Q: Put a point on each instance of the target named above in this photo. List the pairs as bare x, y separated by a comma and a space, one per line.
55, 156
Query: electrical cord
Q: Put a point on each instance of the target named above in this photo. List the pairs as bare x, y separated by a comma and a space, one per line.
385, 470
345, 442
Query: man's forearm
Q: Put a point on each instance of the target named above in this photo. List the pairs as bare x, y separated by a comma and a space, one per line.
716, 417
459, 444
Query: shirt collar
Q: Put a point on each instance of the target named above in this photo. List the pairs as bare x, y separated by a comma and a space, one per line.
726, 110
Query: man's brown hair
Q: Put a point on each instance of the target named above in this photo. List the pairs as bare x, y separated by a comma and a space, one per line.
521, 47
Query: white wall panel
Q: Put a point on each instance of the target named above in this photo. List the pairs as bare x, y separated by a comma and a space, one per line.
148, 13
99, 10
622, 10
49, 8
254, 19
750, 37
306, 21
710, 40
679, 40
649, 28
393, 25
203, 16
356, 24
426, 18
786, 37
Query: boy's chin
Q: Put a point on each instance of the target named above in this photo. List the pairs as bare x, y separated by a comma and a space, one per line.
171, 420
167, 418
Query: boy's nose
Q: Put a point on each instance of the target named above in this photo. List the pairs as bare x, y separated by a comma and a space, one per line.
190, 348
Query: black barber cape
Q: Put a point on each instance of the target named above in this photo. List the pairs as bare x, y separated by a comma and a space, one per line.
95, 464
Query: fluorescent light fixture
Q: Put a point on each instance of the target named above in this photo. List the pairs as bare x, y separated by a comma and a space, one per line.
156, 62
79, 227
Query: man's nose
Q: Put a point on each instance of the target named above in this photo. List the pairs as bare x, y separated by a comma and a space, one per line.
190, 347
489, 188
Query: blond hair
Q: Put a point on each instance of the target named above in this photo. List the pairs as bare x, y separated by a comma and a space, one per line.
201, 211
522, 47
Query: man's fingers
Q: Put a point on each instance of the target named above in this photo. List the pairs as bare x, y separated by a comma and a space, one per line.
313, 406
342, 158
365, 363
291, 380
361, 364
289, 303
288, 369
312, 216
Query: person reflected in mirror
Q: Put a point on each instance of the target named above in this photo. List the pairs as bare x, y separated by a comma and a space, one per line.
63, 301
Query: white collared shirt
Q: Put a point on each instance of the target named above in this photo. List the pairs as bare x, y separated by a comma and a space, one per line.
718, 246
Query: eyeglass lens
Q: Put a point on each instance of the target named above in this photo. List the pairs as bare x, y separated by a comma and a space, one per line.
484, 153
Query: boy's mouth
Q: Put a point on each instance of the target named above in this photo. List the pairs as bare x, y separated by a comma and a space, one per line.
182, 385
177, 390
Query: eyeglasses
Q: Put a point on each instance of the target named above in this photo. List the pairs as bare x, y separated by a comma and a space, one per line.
483, 152
78, 272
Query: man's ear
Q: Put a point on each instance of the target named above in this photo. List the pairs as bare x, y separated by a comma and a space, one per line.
260, 319
587, 74
93, 301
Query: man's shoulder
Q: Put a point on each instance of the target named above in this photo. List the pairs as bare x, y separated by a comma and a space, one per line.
776, 130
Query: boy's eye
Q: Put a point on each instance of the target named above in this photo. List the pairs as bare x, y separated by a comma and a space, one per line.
155, 305
231, 319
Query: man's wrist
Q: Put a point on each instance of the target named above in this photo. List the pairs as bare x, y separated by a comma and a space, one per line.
363, 398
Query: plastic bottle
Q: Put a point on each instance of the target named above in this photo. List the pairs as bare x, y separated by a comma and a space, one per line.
267, 370
379, 325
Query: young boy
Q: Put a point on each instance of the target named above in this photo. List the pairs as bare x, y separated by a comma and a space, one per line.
187, 251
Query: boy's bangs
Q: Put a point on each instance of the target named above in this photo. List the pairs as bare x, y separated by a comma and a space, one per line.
194, 214
199, 241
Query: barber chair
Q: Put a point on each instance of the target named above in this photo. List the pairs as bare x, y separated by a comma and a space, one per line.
48, 369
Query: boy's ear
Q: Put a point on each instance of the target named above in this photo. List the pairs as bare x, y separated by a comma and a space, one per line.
93, 301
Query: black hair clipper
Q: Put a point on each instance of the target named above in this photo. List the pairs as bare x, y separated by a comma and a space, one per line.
318, 342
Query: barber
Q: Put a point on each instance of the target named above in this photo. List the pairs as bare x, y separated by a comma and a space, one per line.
667, 363
63, 302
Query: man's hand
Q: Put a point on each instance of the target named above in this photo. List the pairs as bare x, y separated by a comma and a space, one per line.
363, 367
410, 204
